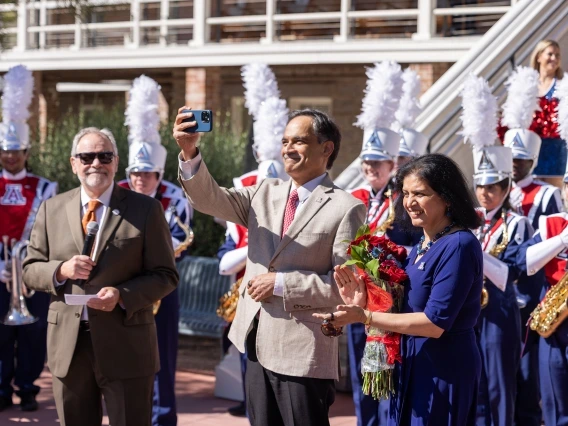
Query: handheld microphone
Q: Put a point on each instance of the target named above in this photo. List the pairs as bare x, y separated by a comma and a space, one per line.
92, 229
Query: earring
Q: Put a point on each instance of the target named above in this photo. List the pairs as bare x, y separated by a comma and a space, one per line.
448, 212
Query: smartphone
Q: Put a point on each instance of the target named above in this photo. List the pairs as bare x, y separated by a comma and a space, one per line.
204, 119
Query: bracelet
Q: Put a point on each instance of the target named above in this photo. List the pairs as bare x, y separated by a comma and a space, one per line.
368, 320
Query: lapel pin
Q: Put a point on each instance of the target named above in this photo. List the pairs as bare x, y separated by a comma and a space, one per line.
319, 200
115, 212
421, 266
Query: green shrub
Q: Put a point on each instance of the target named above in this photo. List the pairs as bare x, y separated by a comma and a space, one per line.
223, 151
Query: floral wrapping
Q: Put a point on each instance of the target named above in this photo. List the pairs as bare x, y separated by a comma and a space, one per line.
382, 349
379, 261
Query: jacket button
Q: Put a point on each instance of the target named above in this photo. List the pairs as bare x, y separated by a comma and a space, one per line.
77, 314
271, 269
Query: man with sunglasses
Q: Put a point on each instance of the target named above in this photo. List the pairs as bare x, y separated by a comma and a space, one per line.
297, 232
22, 347
108, 347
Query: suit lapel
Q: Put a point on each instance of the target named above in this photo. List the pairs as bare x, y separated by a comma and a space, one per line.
73, 209
114, 216
313, 204
279, 201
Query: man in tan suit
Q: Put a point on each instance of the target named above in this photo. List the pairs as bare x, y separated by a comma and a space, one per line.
108, 347
296, 233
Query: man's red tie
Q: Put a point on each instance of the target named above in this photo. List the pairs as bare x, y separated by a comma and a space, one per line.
290, 212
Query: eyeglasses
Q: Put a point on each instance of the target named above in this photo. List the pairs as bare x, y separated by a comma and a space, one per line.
88, 157
329, 330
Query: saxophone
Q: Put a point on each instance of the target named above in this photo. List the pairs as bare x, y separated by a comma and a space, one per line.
228, 302
387, 224
552, 310
495, 252
189, 237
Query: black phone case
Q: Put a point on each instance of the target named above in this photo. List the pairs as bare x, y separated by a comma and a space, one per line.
202, 126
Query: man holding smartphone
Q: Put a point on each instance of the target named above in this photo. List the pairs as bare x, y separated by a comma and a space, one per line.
296, 230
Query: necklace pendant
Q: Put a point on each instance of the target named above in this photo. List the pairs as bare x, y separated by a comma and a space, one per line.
421, 266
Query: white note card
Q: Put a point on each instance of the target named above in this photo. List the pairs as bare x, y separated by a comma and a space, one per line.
79, 299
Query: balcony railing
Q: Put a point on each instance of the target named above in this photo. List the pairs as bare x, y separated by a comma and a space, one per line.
51, 24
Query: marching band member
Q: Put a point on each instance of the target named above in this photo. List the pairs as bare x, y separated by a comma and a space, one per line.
546, 254
145, 171
530, 198
270, 116
381, 147
499, 323
21, 193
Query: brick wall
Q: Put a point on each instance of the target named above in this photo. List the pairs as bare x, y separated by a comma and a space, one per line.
213, 88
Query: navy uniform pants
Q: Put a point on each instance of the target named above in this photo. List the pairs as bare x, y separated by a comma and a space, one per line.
553, 364
22, 348
369, 411
499, 333
527, 407
164, 411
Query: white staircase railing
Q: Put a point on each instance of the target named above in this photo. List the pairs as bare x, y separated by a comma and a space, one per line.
507, 44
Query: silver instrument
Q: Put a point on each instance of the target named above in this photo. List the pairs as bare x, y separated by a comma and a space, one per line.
18, 313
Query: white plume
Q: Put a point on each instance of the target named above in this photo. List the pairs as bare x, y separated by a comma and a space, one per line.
409, 107
479, 116
562, 95
522, 99
18, 93
142, 116
260, 84
382, 96
269, 126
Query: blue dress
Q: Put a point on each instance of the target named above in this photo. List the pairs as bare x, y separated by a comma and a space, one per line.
438, 380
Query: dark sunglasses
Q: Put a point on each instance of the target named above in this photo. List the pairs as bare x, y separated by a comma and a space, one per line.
89, 157
329, 330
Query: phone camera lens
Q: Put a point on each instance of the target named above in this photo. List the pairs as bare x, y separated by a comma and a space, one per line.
205, 116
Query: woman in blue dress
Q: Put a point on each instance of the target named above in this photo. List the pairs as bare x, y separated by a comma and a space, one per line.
439, 375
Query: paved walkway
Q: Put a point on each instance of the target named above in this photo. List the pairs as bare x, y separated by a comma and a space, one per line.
196, 405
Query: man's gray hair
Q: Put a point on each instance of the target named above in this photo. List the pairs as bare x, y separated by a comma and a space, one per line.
105, 133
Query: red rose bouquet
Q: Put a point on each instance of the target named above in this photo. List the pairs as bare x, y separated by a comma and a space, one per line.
380, 263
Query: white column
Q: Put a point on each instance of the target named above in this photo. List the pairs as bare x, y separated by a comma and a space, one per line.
426, 20
135, 17
269, 32
343, 22
42, 23
22, 26
201, 10
164, 16
77, 44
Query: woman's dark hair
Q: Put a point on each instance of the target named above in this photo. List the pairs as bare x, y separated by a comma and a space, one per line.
324, 128
444, 176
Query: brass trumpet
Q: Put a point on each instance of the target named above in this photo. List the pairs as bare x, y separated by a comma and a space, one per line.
18, 313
